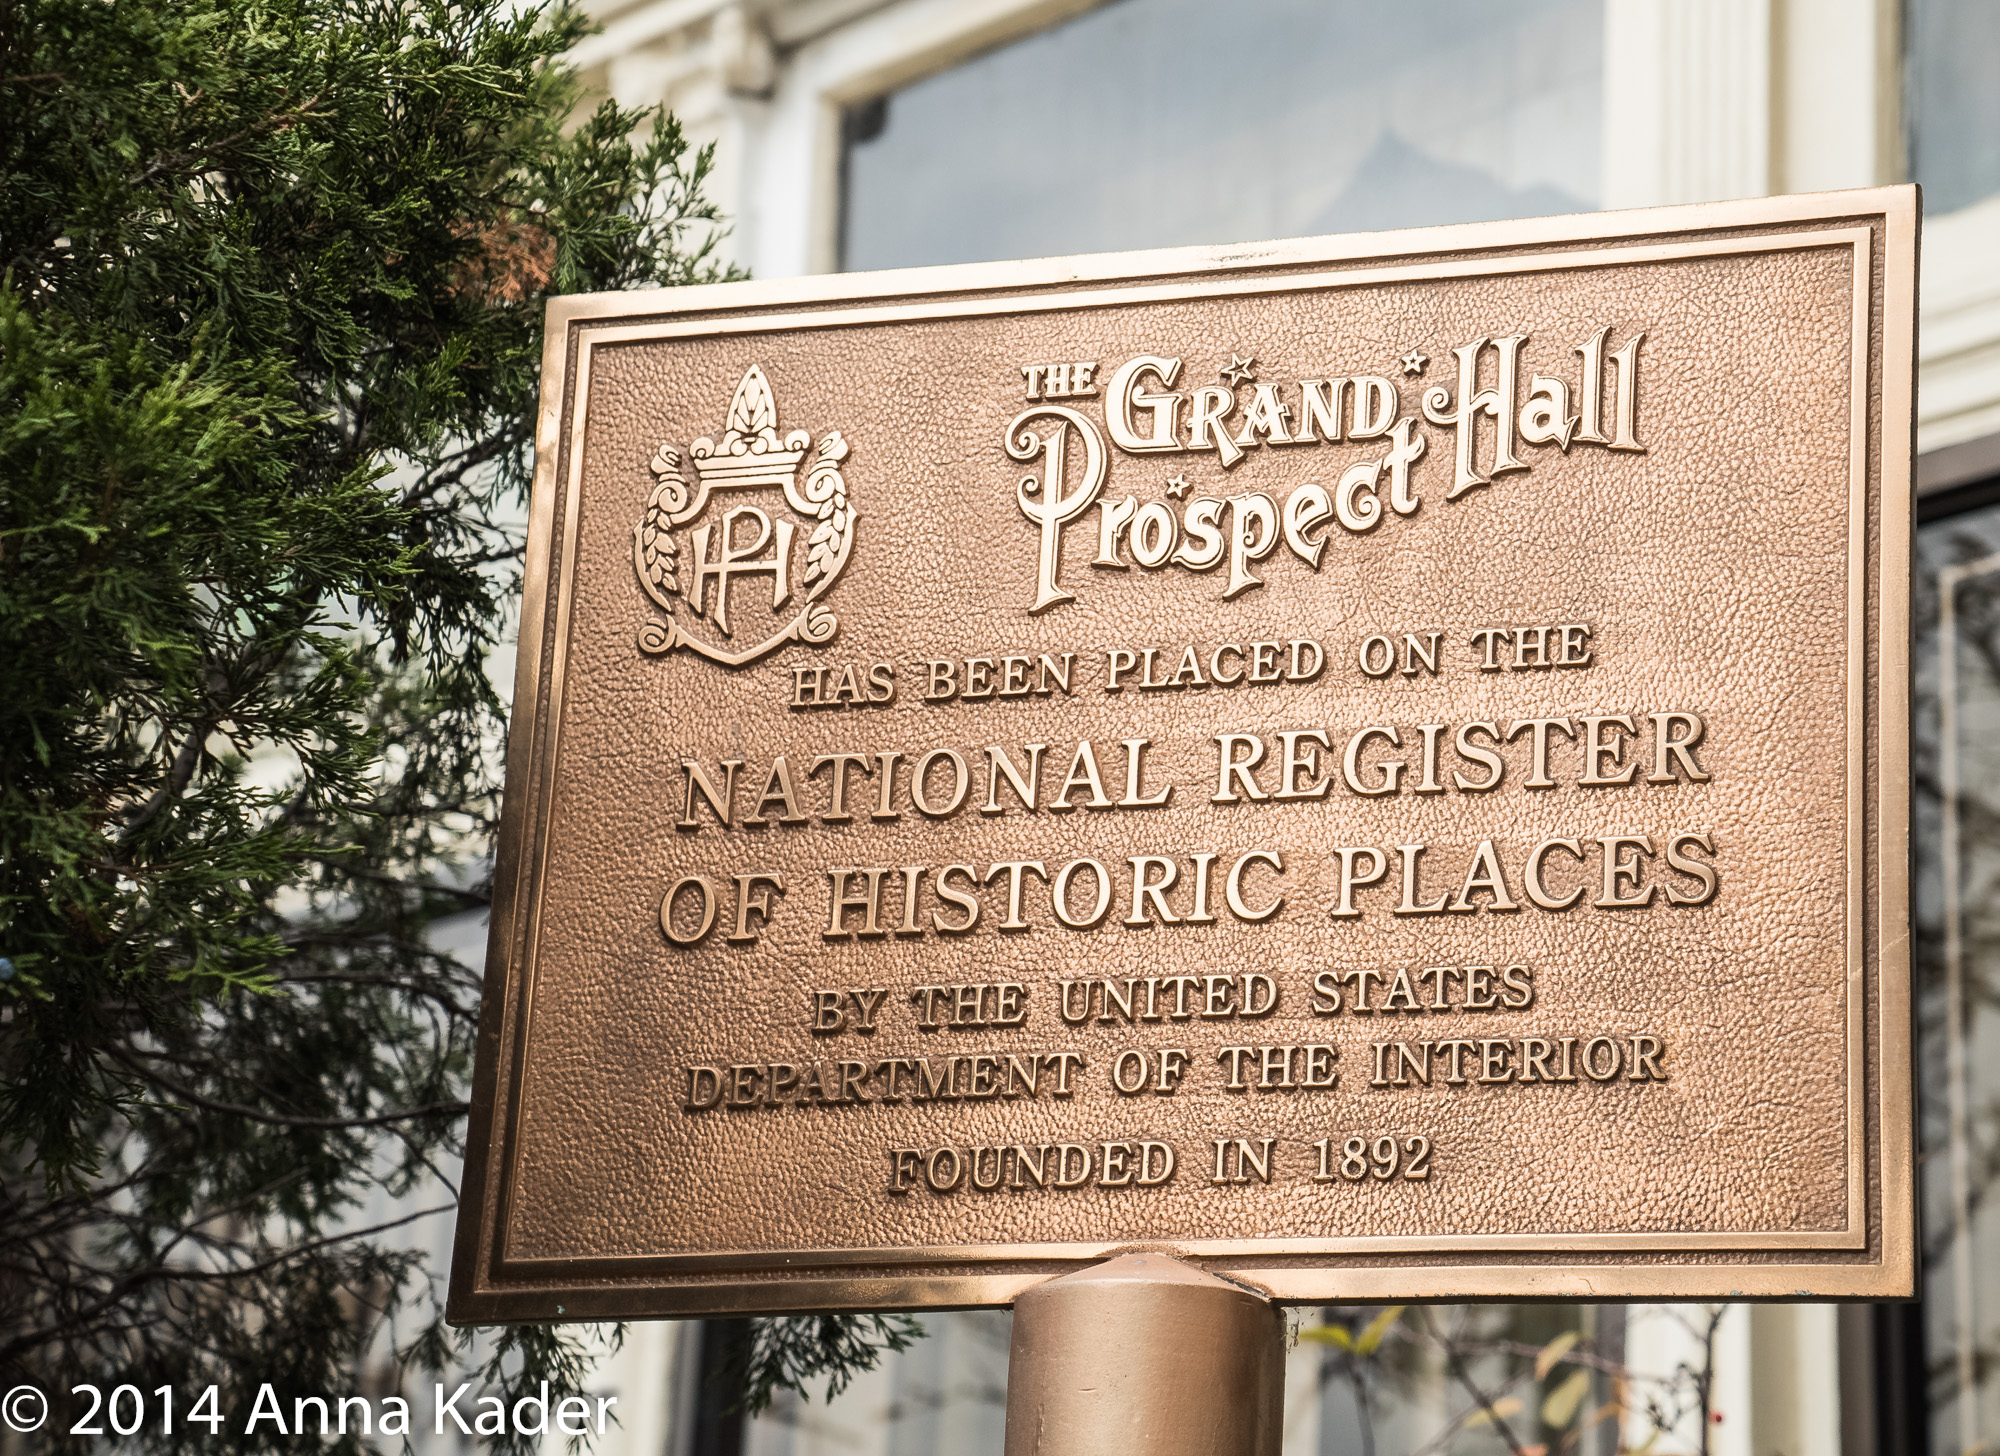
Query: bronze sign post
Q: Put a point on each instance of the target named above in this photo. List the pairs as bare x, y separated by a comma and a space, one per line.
1145, 1353
1374, 767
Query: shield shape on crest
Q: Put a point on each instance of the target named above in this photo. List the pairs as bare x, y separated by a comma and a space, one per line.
742, 579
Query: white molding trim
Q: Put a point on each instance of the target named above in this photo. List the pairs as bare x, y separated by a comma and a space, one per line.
1958, 346
777, 176
642, 26
794, 204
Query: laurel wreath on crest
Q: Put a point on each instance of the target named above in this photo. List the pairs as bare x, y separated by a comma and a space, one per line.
658, 555
823, 498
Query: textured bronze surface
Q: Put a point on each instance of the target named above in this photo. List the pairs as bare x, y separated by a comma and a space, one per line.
830, 579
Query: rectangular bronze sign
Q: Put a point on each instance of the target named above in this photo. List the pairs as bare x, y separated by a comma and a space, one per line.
1377, 764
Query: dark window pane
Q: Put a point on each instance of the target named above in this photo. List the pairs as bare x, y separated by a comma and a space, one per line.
1956, 905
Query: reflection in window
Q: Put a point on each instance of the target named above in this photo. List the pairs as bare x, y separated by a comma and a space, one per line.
1151, 123
1956, 764
1954, 100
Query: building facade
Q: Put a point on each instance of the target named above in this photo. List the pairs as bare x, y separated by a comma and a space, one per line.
859, 134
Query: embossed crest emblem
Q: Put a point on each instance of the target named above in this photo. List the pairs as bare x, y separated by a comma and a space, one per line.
690, 570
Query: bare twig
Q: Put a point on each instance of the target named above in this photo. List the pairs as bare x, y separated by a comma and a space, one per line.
276, 1119
159, 1273
1456, 1363
198, 160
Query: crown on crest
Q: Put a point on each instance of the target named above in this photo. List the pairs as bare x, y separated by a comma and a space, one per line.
750, 452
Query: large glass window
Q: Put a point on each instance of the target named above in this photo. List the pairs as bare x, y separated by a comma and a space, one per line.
1150, 123
1957, 911
1953, 54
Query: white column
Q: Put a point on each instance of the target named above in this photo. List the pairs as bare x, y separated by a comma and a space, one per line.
1794, 1354
1776, 1384
1664, 1351
1687, 101
1737, 1389
1836, 94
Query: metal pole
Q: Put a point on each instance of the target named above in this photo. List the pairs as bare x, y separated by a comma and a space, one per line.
1145, 1356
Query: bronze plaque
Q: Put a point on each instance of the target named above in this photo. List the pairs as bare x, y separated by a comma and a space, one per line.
1376, 764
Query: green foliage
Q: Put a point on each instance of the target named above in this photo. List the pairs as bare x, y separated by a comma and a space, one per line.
1362, 1345
271, 286
1560, 1406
